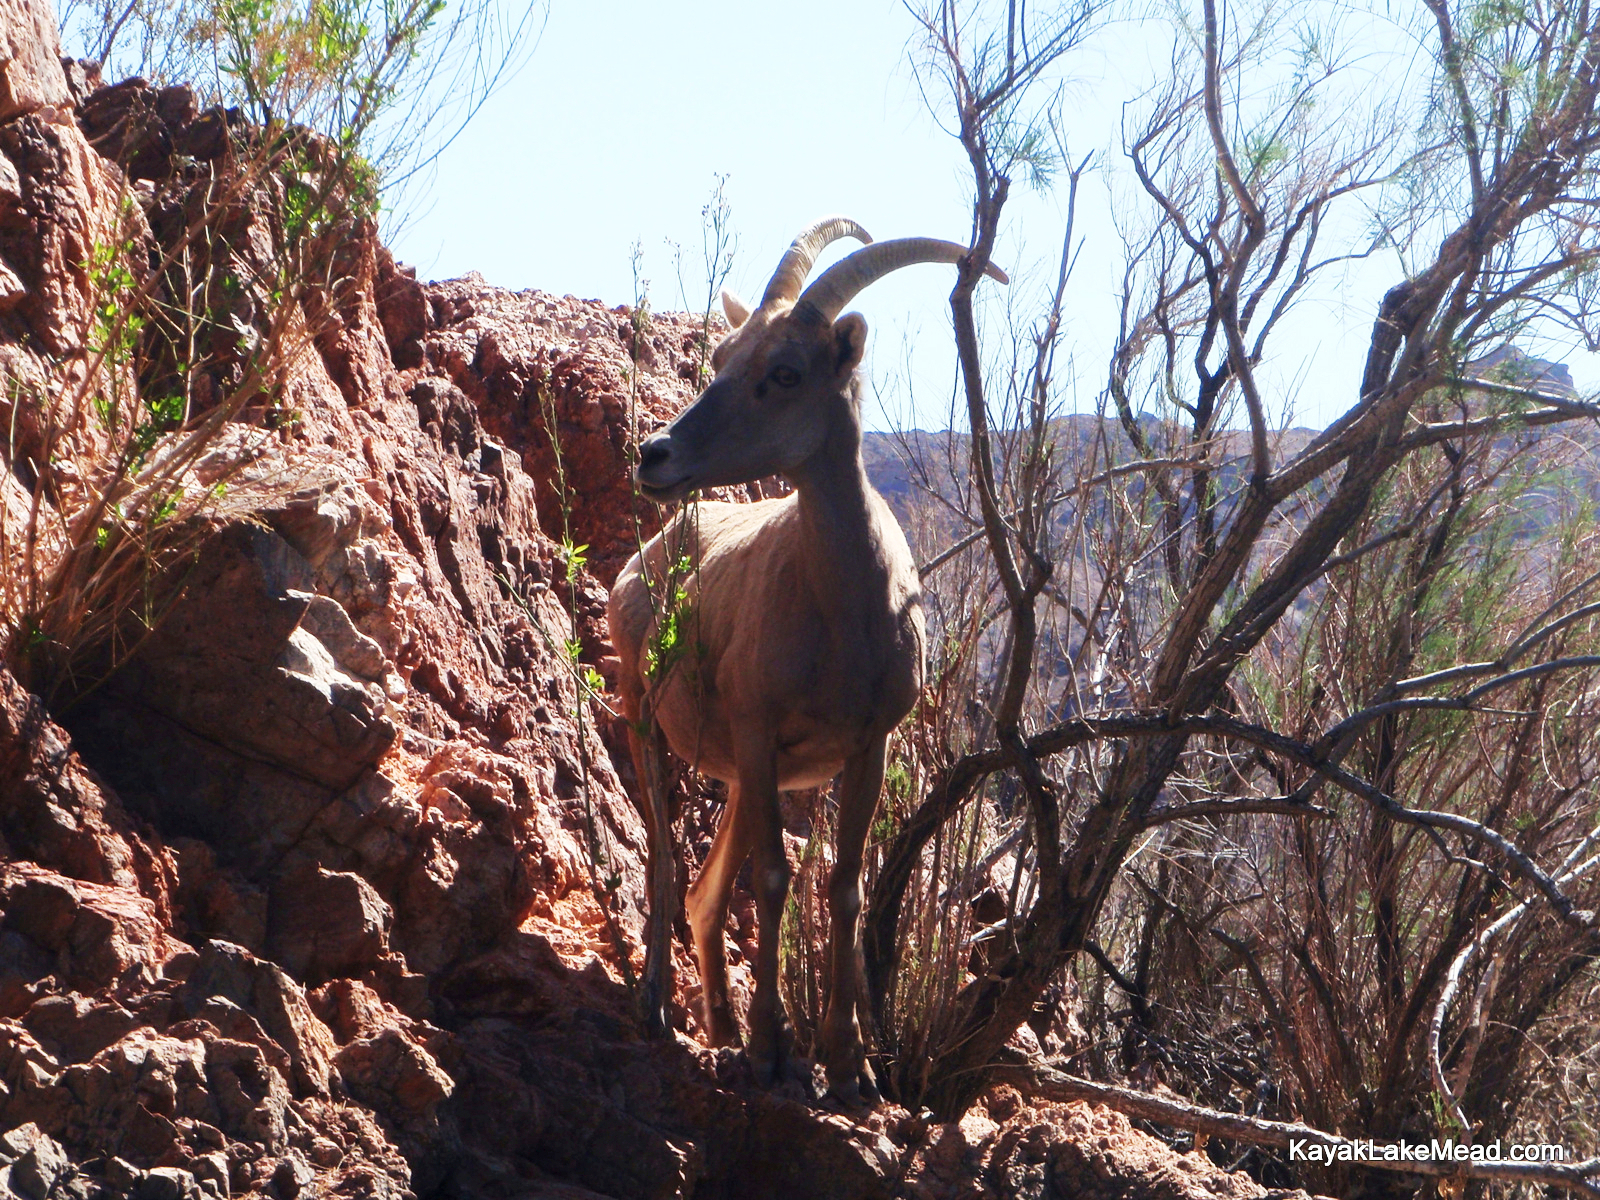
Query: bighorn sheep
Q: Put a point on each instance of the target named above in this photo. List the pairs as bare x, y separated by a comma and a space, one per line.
807, 613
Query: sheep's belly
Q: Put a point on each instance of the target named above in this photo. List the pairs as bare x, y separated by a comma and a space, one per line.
807, 757
793, 777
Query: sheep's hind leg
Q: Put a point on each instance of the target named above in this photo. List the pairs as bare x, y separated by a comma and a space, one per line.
708, 918
850, 1078
758, 799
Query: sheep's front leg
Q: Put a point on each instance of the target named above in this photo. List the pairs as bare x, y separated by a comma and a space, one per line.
756, 754
708, 918
660, 872
849, 1076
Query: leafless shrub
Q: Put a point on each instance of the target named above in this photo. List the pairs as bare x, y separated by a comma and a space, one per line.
1281, 744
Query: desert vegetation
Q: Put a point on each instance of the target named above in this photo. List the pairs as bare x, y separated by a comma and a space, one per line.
216, 266
1265, 754
1253, 788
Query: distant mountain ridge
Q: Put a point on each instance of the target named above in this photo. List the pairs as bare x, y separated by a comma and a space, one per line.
889, 456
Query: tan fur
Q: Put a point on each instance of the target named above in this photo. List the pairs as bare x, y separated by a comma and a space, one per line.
828, 683
805, 631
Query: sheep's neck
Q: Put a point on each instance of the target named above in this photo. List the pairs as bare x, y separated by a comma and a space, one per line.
840, 558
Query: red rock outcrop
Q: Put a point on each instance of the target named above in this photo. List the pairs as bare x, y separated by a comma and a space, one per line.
30, 69
332, 887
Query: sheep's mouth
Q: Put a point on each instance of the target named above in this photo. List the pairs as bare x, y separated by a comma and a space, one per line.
665, 493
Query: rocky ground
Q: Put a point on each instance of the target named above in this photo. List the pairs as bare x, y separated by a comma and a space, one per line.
334, 887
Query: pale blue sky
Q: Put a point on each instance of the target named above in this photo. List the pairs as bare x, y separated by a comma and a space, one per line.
626, 112
615, 131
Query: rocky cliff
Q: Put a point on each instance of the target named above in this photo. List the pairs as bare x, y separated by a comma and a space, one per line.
333, 886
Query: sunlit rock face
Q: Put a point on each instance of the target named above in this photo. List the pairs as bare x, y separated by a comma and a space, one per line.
331, 886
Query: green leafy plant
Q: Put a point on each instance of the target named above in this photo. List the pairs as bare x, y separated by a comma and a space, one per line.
188, 339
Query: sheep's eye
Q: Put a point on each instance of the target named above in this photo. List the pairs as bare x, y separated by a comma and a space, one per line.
785, 376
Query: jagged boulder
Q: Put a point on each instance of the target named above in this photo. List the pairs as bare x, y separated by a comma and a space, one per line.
30, 62
333, 886
55, 813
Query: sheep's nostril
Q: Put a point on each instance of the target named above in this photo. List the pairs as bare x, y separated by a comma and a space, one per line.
654, 452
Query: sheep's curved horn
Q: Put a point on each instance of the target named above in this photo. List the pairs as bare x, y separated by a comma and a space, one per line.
838, 285
792, 270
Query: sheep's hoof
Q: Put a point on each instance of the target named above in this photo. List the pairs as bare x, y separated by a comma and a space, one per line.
767, 1066
854, 1087
768, 1053
721, 1027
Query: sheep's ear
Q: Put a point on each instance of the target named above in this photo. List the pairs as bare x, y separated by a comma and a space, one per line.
736, 310
849, 342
